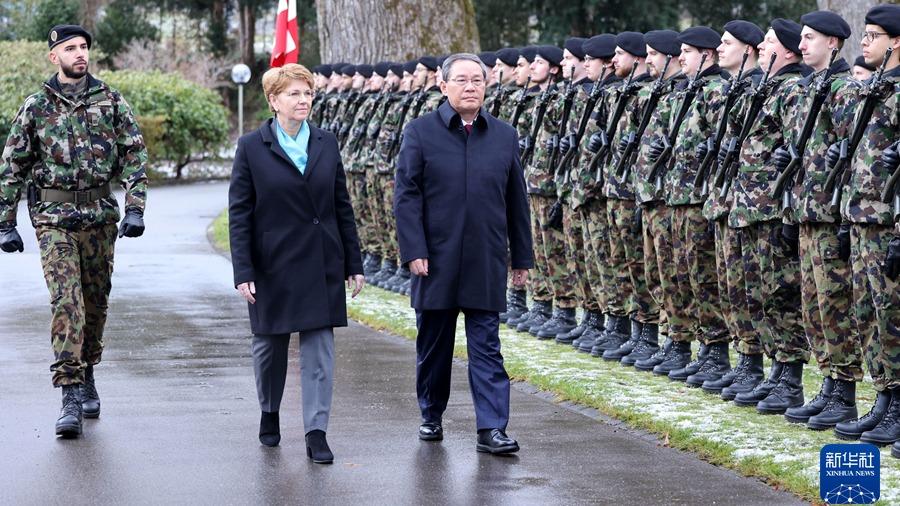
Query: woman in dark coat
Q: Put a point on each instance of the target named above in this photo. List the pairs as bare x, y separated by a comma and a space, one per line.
293, 243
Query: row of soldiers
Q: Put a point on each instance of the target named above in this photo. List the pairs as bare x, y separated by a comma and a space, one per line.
738, 189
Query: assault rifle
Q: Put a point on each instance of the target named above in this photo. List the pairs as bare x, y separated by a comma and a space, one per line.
625, 93
623, 166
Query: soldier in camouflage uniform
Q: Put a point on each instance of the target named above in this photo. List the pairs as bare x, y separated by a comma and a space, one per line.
322, 75
772, 270
693, 238
655, 218
626, 252
824, 275
342, 81
739, 41
875, 236
489, 59
70, 142
586, 197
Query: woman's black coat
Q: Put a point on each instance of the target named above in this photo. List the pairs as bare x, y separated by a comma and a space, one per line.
293, 234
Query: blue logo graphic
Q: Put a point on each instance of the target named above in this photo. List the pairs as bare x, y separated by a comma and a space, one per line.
850, 474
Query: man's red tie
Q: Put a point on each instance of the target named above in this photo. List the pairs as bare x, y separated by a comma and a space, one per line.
468, 129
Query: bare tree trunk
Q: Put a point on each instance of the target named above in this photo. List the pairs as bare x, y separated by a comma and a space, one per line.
90, 10
854, 12
248, 33
371, 30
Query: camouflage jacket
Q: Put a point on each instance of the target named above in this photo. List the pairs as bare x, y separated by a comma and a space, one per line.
810, 200
657, 129
584, 187
715, 206
318, 108
523, 125
755, 180
390, 127
699, 124
333, 104
861, 202
507, 98
351, 150
616, 187
582, 89
433, 98
56, 143
490, 95
367, 146
538, 177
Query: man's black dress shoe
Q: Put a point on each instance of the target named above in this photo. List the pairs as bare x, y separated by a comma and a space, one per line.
495, 441
430, 431
269, 430
317, 448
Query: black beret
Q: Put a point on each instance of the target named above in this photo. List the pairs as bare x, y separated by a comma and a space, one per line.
338, 68
489, 58
440, 60
430, 62
788, 33
509, 55
664, 41
745, 31
552, 54
528, 53
396, 68
325, 70
382, 67
410, 66
365, 70
633, 42
575, 45
826, 22
61, 33
702, 37
600, 46
861, 62
348, 70
885, 16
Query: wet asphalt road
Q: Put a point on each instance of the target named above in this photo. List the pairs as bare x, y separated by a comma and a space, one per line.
180, 417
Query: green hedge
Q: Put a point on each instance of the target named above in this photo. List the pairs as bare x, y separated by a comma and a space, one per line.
185, 120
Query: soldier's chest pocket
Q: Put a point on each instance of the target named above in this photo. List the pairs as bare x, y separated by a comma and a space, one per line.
100, 128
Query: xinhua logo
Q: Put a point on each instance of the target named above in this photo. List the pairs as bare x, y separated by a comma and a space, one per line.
849, 474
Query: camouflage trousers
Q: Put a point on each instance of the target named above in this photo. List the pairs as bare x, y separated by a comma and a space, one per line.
78, 266
576, 258
695, 263
356, 186
773, 290
538, 278
596, 243
626, 258
552, 243
659, 265
387, 224
736, 308
826, 292
876, 302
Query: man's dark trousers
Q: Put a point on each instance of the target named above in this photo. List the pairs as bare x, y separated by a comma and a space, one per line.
487, 377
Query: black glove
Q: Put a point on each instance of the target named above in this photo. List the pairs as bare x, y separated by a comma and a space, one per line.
892, 259
656, 149
595, 142
551, 142
781, 158
554, 217
623, 144
833, 154
702, 150
889, 157
790, 239
345, 129
133, 223
844, 241
723, 153
10, 240
565, 143
524, 143
637, 222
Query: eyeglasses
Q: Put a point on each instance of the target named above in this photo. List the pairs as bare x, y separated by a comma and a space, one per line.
871, 36
461, 81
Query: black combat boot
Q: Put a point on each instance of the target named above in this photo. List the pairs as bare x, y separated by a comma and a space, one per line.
646, 347
70, 416
716, 386
788, 393
90, 399
388, 268
760, 391
615, 333
657, 358
888, 429
395, 282
406, 289
540, 313
895, 450
678, 357
562, 321
403, 276
746, 380
575, 333
593, 325
515, 305
514, 322
852, 429
693, 367
813, 407
626, 347
841, 407
714, 367
372, 265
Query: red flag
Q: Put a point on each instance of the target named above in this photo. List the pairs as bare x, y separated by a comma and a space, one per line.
286, 48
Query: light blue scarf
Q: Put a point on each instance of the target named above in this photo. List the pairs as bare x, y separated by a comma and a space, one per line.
295, 147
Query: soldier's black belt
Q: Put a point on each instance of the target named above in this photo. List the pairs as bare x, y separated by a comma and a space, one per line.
76, 196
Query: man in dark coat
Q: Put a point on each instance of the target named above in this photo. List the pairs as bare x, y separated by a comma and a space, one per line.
460, 204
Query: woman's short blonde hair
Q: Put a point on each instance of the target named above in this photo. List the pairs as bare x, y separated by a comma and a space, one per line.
277, 79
